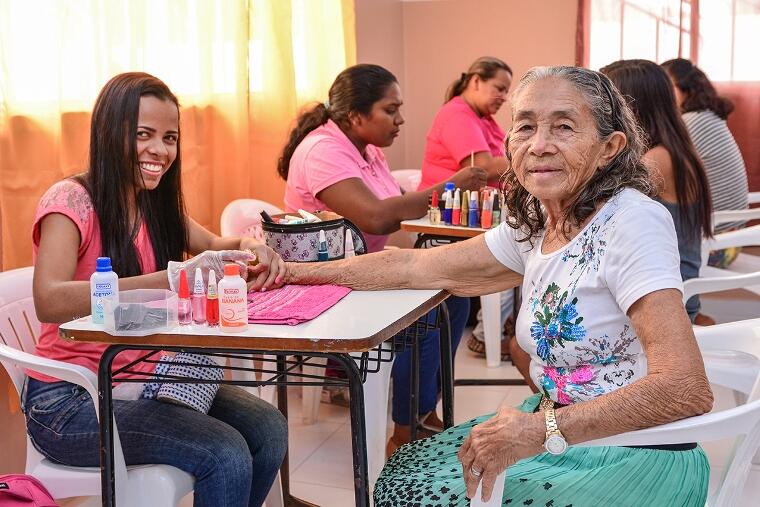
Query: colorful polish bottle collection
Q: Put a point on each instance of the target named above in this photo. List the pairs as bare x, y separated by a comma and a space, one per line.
202, 306
466, 208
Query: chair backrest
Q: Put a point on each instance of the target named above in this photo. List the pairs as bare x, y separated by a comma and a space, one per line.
19, 327
748, 236
242, 218
408, 179
705, 284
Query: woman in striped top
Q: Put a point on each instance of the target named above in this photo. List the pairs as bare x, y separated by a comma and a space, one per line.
705, 113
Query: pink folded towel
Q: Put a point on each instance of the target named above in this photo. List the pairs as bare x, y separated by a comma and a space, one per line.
293, 304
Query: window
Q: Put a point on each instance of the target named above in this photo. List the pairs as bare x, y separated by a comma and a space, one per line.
721, 36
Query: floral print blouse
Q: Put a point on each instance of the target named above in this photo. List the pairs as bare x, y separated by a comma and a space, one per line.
573, 319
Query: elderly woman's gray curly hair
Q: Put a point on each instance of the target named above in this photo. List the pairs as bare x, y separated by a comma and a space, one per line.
626, 170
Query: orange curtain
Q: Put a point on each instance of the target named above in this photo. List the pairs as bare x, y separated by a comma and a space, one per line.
241, 69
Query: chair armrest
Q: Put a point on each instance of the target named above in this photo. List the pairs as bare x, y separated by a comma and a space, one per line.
749, 236
707, 427
708, 284
722, 217
754, 197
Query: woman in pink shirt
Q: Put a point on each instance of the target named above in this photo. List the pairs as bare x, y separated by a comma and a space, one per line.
129, 206
465, 124
333, 161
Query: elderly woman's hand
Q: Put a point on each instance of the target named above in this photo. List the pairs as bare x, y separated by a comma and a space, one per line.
497, 443
267, 271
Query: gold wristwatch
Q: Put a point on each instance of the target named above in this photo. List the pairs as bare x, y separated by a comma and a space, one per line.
555, 442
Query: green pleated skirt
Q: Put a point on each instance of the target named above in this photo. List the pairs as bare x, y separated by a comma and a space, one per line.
427, 473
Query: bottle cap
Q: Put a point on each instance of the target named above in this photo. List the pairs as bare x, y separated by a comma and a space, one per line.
184, 290
198, 282
449, 186
211, 290
434, 197
348, 247
231, 270
322, 237
103, 264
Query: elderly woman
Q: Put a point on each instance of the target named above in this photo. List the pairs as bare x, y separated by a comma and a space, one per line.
601, 317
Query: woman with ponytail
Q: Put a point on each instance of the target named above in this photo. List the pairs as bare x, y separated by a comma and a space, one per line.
704, 113
465, 126
333, 161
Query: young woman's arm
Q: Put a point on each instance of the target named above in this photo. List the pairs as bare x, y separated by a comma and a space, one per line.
355, 201
658, 161
57, 297
494, 166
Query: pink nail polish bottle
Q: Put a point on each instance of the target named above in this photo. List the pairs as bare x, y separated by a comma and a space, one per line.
199, 298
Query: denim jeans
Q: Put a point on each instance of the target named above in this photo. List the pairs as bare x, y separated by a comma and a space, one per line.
430, 363
234, 452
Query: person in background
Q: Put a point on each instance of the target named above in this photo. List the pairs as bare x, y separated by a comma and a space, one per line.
609, 340
704, 113
129, 206
465, 133
683, 187
333, 161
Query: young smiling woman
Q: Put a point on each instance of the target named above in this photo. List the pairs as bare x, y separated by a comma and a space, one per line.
129, 206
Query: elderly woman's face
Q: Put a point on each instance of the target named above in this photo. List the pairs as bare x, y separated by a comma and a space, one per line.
553, 142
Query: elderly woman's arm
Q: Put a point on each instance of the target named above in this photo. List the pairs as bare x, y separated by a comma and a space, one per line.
675, 387
466, 268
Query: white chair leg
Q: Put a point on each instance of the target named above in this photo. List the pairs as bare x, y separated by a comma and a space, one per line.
274, 498
491, 306
376, 418
311, 396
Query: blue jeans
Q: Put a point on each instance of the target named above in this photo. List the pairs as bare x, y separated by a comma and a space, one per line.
430, 363
234, 452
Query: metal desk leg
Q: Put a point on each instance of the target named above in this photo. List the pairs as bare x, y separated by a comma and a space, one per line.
414, 389
447, 366
105, 407
358, 429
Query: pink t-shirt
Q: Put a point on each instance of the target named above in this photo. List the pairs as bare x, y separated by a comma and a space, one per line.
325, 157
70, 199
457, 131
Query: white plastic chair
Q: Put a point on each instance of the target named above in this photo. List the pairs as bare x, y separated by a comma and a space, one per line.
742, 422
155, 485
407, 179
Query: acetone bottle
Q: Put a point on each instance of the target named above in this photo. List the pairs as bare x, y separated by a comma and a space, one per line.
233, 303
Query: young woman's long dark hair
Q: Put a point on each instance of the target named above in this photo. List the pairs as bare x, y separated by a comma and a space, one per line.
113, 178
699, 93
651, 97
355, 89
486, 67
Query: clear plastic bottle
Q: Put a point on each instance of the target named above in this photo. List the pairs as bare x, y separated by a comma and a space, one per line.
104, 284
199, 298
233, 301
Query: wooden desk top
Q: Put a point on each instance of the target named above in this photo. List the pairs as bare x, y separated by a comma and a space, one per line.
423, 226
359, 322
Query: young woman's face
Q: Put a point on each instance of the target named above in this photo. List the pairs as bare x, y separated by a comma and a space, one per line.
489, 95
157, 136
381, 126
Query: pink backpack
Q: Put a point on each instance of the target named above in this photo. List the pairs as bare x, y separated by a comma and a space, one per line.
24, 491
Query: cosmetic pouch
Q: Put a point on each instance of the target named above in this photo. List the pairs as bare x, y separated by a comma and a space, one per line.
300, 242
199, 397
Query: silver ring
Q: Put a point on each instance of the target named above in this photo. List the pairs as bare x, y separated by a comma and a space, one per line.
475, 472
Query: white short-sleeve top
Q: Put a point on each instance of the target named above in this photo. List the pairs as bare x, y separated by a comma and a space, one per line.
573, 318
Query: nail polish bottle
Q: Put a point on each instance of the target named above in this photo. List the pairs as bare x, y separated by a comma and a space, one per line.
212, 300
184, 309
199, 298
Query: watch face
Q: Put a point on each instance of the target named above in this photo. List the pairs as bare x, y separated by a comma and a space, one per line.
555, 444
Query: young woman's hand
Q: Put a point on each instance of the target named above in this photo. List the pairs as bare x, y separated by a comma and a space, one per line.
470, 178
267, 271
